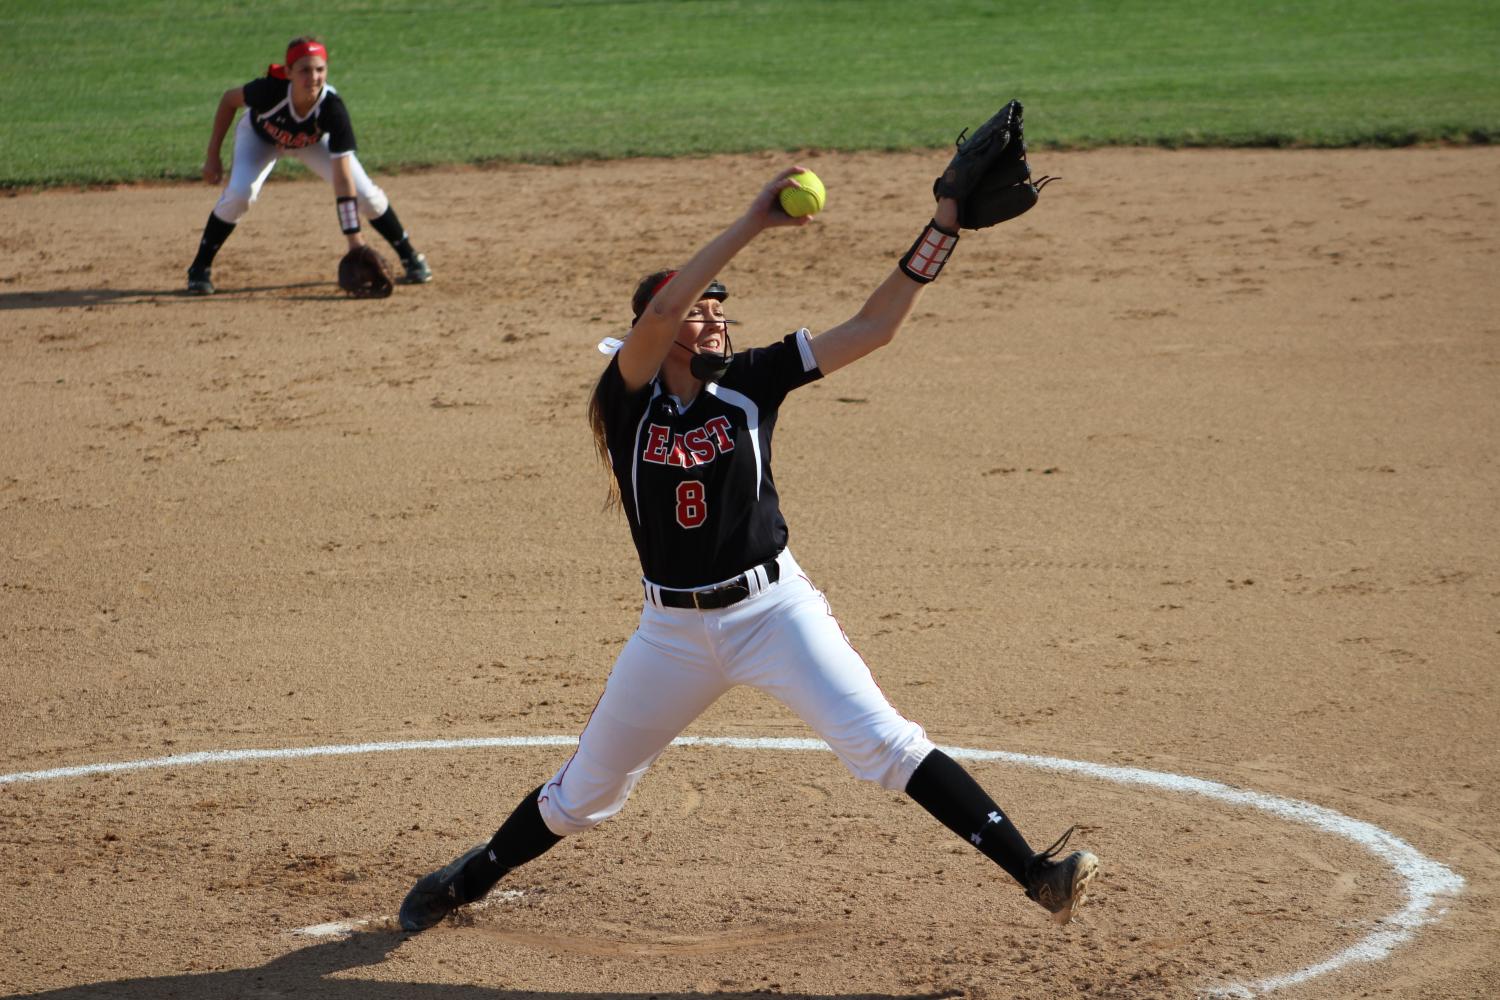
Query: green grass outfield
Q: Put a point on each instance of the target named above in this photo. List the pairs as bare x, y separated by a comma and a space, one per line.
118, 90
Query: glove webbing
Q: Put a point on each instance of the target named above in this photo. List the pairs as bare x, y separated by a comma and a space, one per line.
923, 262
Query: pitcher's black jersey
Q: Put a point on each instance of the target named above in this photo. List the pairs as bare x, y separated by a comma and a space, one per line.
273, 118
695, 481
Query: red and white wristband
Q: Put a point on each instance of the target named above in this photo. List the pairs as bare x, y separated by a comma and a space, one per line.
349, 215
929, 253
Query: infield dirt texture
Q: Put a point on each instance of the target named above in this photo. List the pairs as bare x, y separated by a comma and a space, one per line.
1192, 468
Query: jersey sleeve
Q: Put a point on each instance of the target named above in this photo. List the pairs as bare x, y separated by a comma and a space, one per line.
622, 408
767, 374
264, 93
333, 118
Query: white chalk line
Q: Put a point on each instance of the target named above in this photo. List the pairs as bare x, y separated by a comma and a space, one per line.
338, 928
1426, 882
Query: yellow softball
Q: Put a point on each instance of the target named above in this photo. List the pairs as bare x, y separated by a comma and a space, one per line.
804, 200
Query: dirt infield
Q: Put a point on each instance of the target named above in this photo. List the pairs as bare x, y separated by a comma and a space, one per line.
1191, 470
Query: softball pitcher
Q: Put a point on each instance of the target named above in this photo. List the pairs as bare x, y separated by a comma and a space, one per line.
685, 425
293, 111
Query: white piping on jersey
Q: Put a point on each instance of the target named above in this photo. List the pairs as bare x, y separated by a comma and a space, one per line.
635, 454
804, 348
292, 108
752, 418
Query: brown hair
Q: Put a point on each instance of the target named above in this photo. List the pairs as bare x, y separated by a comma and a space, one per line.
644, 291
601, 446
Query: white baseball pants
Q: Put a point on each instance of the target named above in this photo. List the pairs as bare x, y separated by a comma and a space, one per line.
254, 158
782, 640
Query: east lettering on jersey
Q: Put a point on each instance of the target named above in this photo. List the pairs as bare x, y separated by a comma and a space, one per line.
695, 480
698, 446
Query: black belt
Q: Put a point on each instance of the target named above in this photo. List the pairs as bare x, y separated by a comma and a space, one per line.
722, 596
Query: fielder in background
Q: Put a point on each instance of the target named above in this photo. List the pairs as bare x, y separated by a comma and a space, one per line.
294, 111
684, 425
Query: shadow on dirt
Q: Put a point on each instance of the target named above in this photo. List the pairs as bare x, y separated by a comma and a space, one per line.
75, 298
305, 974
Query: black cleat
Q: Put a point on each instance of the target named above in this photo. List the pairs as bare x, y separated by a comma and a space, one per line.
199, 282
1061, 887
417, 271
440, 893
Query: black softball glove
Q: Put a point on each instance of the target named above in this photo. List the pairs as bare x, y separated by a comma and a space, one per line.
364, 275
989, 175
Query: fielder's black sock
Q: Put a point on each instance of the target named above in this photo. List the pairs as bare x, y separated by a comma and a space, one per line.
214, 235
942, 787
521, 838
390, 227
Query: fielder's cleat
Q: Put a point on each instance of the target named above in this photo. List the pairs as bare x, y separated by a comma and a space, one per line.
1060, 886
417, 271
440, 893
199, 282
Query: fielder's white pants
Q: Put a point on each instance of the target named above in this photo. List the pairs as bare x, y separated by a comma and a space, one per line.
254, 158
782, 640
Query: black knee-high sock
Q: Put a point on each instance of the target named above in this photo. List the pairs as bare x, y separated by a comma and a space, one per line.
521, 838
390, 227
214, 235
942, 787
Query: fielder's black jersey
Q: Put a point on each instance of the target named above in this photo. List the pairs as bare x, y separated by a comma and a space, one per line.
696, 482
273, 118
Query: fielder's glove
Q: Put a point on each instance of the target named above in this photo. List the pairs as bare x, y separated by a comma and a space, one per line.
363, 274
989, 175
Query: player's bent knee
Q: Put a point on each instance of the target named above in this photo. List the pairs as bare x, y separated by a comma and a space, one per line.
888, 762
233, 206
567, 818
572, 804
373, 204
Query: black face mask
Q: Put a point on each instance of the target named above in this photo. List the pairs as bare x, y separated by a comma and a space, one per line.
708, 367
